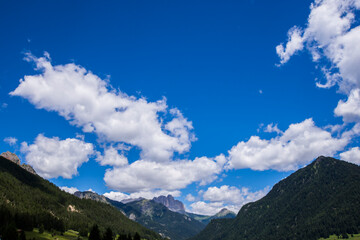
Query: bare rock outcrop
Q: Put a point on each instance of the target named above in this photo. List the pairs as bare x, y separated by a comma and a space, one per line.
171, 203
15, 159
11, 157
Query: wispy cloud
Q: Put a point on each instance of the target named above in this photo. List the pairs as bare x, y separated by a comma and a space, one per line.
10, 140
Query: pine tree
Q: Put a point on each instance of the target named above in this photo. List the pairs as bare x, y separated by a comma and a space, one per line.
95, 233
108, 234
83, 232
10, 232
41, 229
137, 236
129, 237
22, 235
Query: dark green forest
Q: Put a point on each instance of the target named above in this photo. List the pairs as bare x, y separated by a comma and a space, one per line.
28, 201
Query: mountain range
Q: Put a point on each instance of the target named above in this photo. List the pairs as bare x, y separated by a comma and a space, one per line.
162, 214
316, 201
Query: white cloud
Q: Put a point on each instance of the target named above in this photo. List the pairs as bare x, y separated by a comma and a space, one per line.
10, 140
294, 44
350, 110
190, 198
70, 190
231, 194
204, 208
272, 128
118, 196
4, 105
297, 146
52, 157
91, 103
230, 197
112, 157
80, 136
330, 33
352, 155
145, 175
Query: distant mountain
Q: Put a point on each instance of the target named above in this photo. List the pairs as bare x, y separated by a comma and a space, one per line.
129, 200
90, 195
223, 213
171, 203
159, 218
28, 201
316, 201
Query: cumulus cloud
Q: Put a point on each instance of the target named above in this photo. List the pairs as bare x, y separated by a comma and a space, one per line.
231, 194
230, 197
297, 146
118, 196
52, 157
330, 33
272, 128
190, 198
205, 208
352, 155
350, 110
91, 103
10, 140
145, 175
332, 36
70, 190
294, 44
112, 157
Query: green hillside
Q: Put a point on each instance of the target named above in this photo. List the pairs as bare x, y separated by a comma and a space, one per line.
316, 201
28, 201
159, 218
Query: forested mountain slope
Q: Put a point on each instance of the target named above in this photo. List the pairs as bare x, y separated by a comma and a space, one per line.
28, 200
321, 199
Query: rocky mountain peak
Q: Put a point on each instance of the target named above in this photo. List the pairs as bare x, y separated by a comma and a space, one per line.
90, 195
15, 159
28, 168
11, 157
170, 203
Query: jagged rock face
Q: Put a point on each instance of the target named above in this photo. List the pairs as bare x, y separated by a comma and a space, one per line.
11, 157
171, 203
15, 159
91, 196
28, 168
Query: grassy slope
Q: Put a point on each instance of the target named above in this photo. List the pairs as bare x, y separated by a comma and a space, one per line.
68, 235
24, 192
333, 237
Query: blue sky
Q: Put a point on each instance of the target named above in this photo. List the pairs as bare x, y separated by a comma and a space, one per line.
211, 101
